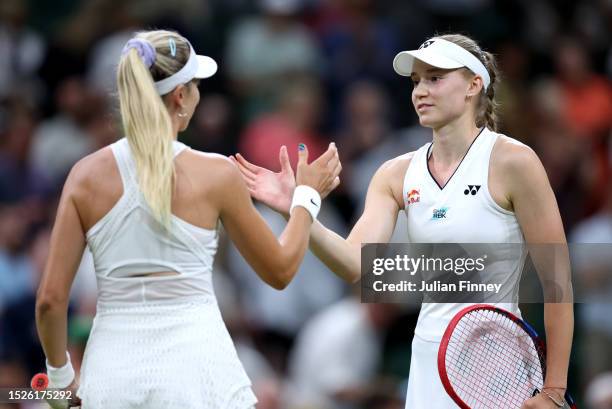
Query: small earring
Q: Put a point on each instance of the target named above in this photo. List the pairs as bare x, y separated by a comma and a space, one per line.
181, 115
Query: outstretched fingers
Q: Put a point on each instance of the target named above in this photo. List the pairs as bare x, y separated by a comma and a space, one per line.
251, 167
246, 172
283, 158
337, 168
328, 154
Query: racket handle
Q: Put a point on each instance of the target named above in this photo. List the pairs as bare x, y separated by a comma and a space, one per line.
40, 382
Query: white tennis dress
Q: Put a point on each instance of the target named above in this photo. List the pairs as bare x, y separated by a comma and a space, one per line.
156, 342
462, 211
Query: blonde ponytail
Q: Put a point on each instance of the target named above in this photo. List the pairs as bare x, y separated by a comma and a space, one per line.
146, 121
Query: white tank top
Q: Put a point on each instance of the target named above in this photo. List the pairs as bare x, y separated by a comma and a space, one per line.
128, 241
462, 211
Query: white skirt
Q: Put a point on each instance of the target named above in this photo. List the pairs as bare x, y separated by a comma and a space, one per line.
425, 389
162, 355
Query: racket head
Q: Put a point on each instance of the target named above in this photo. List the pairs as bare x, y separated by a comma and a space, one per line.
538, 345
476, 336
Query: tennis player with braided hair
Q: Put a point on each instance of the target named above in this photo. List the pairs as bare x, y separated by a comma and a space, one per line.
148, 207
469, 185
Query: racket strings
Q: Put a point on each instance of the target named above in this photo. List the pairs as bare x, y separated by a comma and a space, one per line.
492, 362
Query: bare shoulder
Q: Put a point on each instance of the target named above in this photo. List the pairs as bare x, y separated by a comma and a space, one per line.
397, 166
94, 173
211, 168
390, 176
513, 156
93, 185
515, 168
207, 177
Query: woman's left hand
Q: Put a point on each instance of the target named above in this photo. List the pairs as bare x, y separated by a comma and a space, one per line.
73, 402
540, 401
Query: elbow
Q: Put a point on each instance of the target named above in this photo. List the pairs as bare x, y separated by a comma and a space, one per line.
282, 275
46, 302
353, 277
279, 284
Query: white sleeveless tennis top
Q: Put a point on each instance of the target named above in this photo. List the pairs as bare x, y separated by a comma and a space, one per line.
462, 211
128, 241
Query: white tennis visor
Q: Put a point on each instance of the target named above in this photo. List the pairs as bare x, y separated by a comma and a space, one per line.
441, 54
197, 66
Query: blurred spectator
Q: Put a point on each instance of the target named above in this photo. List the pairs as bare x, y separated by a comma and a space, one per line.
18, 319
586, 99
267, 385
599, 392
20, 179
102, 130
366, 140
592, 261
16, 270
366, 119
455, 7
542, 24
62, 140
337, 355
358, 44
213, 127
12, 374
587, 96
513, 92
21, 50
295, 121
263, 52
567, 159
102, 67
277, 316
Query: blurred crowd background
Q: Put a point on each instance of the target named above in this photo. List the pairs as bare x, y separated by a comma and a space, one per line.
310, 71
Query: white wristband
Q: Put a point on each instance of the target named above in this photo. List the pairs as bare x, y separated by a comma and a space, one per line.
308, 198
60, 377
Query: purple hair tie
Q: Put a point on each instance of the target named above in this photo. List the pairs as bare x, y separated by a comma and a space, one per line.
145, 50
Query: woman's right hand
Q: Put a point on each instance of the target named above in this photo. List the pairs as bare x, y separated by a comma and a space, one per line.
275, 189
322, 173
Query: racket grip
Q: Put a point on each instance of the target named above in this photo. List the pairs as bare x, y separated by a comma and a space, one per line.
40, 382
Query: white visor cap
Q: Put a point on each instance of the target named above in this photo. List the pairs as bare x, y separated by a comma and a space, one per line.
197, 66
441, 54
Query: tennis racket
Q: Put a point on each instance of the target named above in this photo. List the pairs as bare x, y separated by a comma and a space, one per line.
40, 382
489, 358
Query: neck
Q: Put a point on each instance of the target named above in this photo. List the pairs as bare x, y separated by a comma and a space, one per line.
176, 125
451, 141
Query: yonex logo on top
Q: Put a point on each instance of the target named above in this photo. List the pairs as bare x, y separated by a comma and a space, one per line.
471, 190
426, 44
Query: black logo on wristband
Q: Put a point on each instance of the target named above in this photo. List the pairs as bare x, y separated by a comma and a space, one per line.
313, 202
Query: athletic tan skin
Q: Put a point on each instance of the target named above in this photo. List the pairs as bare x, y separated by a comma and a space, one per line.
444, 101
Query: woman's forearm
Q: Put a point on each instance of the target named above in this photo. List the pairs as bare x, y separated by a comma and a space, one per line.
339, 255
559, 324
52, 323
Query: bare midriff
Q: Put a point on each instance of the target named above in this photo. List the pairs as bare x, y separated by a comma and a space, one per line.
162, 273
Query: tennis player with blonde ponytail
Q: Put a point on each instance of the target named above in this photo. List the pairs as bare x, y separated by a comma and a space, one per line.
148, 208
469, 185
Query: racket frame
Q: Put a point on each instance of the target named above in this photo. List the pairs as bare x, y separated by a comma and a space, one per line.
539, 344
